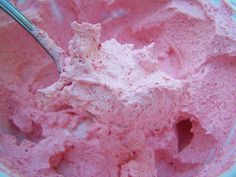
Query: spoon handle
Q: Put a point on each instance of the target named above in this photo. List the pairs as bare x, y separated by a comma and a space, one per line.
10, 9
41, 37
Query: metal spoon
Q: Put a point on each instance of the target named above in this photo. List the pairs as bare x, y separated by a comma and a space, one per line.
40, 36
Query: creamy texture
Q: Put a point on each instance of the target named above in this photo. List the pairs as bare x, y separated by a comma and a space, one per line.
147, 90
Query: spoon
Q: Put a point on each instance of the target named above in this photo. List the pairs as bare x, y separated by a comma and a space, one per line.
40, 36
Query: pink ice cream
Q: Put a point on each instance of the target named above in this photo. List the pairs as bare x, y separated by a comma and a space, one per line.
147, 90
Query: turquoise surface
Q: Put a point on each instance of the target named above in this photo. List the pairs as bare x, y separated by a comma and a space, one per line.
230, 173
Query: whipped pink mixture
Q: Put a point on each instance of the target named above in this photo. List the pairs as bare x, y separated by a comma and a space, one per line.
147, 90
